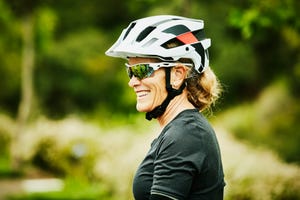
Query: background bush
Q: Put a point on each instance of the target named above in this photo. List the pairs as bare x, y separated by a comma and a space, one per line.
110, 157
271, 121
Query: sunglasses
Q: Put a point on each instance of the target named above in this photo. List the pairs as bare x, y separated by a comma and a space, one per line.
145, 70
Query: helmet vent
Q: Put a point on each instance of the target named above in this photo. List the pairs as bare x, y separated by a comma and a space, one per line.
145, 33
153, 40
129, 29
177, 30
172, 43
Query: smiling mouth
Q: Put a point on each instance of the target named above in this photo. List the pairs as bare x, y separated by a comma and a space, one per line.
141, 94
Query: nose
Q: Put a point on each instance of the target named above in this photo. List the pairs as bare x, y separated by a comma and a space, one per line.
134, 82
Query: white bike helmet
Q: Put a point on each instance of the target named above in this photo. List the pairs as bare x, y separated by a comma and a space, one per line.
151, 36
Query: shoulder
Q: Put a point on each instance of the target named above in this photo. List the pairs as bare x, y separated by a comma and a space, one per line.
189, 129
189, 123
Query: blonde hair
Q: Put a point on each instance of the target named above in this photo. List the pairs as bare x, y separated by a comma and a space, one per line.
203, 89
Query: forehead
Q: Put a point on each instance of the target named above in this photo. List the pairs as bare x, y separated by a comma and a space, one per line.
135, 60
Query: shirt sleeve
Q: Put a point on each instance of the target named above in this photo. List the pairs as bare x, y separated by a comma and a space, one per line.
179, 157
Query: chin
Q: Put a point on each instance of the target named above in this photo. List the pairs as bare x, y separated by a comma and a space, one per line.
142, 108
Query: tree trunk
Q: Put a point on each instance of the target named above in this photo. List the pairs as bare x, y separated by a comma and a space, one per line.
27, 91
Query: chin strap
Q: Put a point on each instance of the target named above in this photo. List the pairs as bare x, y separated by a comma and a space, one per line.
159, 110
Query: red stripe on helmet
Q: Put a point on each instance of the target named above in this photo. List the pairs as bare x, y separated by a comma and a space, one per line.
187, 38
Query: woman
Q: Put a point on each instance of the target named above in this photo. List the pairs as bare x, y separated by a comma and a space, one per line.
169, 71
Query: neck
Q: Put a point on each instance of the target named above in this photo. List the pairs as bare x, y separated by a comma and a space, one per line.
176, 106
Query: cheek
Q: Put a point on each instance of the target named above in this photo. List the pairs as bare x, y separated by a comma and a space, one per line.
159, 92
157, 95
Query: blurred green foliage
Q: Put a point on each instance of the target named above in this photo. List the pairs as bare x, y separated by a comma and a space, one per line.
71, 79
96, 163
271, 121
254, 42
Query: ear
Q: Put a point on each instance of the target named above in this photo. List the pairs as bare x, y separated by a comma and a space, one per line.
178, 75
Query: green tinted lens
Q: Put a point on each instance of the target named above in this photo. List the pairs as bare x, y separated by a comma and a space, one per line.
140, 71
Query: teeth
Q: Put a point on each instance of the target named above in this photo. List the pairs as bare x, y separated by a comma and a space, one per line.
142, 94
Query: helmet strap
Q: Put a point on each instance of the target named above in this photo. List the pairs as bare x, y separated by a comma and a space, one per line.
159, 110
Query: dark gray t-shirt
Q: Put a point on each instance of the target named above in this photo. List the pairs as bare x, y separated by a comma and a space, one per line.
184, 162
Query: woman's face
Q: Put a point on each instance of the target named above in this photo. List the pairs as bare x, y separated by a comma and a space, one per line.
151, 91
